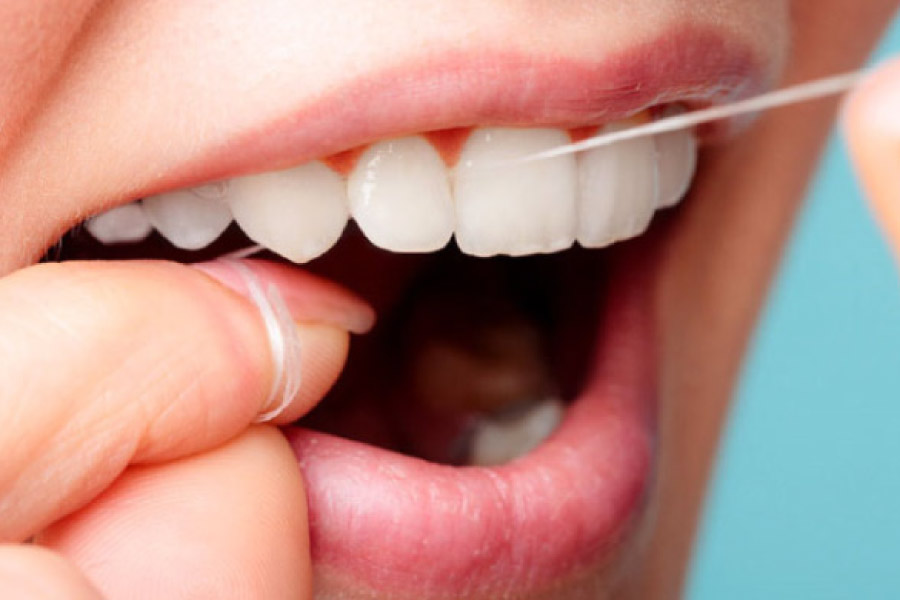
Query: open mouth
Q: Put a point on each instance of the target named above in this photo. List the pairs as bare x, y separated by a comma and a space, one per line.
493, 436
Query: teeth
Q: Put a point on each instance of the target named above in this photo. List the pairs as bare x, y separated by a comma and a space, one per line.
404, 200
496, 441
618, 190
677, 153
298, 213
122, 224
514, 209
400, 196
187, 218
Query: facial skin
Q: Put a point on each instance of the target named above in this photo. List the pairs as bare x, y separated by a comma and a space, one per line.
110, 102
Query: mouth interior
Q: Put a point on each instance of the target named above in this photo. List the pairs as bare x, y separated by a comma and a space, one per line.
460, 341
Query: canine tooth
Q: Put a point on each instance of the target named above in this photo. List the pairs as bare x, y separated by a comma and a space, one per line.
399, 195
617, 190
677, 153
497, 441
298, 213
514, 209
187, 219
122, 224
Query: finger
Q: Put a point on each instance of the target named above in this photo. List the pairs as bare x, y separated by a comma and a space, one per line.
872, 121
106, 364
34, 573
230, 523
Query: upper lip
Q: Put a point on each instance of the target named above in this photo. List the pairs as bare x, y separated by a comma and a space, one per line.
695, 65
691, 65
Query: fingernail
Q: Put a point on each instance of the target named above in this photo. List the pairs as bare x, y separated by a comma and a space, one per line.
307, 297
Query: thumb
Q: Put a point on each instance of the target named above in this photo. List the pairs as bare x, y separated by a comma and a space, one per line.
872, 122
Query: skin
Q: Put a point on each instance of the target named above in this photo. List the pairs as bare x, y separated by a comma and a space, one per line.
121, 456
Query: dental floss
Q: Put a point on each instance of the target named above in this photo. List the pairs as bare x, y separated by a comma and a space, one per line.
243, 252
284, 341
804, 92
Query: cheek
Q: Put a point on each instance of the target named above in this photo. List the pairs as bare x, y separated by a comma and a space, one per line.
36, 36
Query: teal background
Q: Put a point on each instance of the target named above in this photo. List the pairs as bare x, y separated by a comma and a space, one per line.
806, 501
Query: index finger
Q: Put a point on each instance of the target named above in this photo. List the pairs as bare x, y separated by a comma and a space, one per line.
107, 364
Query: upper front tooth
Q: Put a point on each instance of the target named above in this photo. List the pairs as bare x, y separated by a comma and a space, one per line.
400, 196
187, 219
618, 190
127, 223
298, 213
514, 209
677, 162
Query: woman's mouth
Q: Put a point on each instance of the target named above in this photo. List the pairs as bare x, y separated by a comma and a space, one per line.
501, 414
494, 435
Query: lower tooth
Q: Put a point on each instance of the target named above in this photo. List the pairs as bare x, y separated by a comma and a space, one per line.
298, 213
123, 224
187, 219
618, 190
400, 196
514, 209
496, 441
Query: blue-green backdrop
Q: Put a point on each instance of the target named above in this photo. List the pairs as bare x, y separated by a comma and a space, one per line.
806, 500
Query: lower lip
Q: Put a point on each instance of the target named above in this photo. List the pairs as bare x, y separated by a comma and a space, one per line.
400, 526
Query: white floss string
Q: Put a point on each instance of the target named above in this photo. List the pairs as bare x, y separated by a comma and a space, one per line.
283, 340
243, 252
811, 90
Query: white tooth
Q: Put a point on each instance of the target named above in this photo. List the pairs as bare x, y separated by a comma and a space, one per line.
618, 186
514, 209
495, 442
187, 218
298, 213
122, 224
400, 196
677, 153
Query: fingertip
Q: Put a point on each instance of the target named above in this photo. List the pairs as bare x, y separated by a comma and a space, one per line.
874, 107
871, 121
307, 356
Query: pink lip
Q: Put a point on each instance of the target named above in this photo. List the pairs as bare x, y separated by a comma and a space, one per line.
403, 526
687, 64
